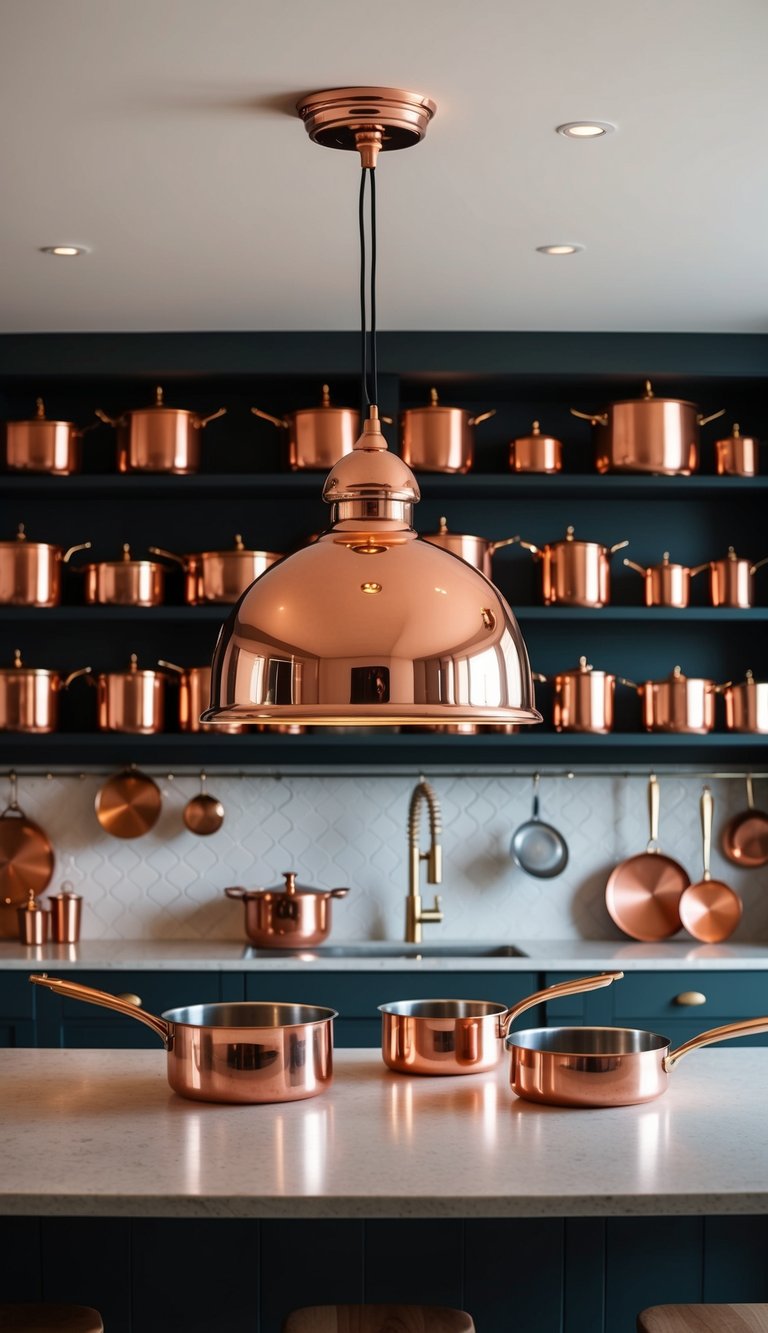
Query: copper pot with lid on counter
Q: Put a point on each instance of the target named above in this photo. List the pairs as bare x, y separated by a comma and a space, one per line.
29, 696
316, 437
574, 573
44, 445
289, 916
666, 583
737, 455
731, 580
678, 703
477, 551
159, 438
436, 438
648, 434
124, 582
536, 452
30, 572
219, 576
583, 698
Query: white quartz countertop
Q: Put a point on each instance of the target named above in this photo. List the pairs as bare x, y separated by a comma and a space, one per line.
236, 956
99, 1133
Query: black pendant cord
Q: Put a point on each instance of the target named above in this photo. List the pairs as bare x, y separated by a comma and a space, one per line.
374, 356
364, 399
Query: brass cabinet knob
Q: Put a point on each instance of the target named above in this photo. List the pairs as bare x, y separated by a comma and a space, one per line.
691, 998
129, 998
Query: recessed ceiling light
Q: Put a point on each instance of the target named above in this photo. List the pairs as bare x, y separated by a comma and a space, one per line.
559, 249
585, 129
64, 251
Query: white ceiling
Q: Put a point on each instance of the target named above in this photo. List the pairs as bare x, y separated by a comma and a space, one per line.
159, 133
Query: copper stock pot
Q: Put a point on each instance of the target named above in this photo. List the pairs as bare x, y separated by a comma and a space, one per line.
131, 701
194, 696
583, 698
746, 705
477, 551
648, 434
316, 437
575, 573
666, 584
124, 582
290, 916
219, 576
29, 696
683, 704
241, 1053
43, 445
737, 455
30, 572
536, 452
158, 438
731, 580
436, 438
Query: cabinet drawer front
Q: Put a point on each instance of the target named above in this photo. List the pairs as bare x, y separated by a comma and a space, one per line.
17, 996
157, 991
593, 1007
676, 996
358, 995
680, 1030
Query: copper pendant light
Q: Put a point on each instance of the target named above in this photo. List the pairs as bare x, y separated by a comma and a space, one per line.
370, 624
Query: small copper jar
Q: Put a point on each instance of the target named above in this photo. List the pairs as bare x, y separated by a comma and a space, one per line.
536, 452
738, 455
436, 438
131, 701
30, 572
746, 705
731, 580
666, 584
194, 697
66, 907
34, 921
289, 916
575, 573
124, 582
681, 704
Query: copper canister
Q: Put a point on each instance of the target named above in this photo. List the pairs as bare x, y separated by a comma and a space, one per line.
34, 921
666, 583
731, 580
66, 907
194, 697
746, 705
131, 701
583, 699
737, 455
436, 438
316, 437
680, 704
30, 572
41, 445
124, 582
536, 452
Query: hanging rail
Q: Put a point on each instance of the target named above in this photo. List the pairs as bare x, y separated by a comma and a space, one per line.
324, 771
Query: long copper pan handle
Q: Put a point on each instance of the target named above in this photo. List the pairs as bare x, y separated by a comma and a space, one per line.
280, 422
483, 416
594, 418
507, 541
81, 546
171, 666
73, 675
707, 809
752, 568
639, 569
653, 812
618, 546
699, 569
74, 991
704, 421
730, 1030
573, 987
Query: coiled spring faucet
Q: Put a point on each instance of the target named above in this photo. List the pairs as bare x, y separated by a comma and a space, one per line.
415, 914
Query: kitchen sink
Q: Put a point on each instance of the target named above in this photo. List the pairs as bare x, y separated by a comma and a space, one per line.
391, 949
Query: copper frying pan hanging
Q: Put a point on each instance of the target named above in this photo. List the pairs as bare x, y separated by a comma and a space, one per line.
26, 861
129, 804
710, 910
744, 840
643, 893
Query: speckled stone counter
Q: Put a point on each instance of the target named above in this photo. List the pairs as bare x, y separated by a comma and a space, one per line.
236, 956
99, 1133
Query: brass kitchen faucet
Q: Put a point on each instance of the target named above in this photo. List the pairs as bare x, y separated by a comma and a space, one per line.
415, 914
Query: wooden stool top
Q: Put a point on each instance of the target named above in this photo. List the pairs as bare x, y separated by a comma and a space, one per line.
47, 1318
704, 1319
378, 1319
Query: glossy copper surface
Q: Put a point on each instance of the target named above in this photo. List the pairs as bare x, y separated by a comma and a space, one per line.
290, 916
316, 437
243, 1053
731, 580
41, 445
583, 699
738, 455
66, 908
124, 582
219, 576
649, 434
709, 909
643, 892
34, 922
744, 839
477, 551
336, 117
128, 805
666, 584
194, 695
158, 438
131, 701
746, 705
203, 814
536, 452
30, 572
436, 438
29, 696
684, 704
575, 573
26, 855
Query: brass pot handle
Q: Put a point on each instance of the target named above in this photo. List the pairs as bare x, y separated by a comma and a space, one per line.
699, 569
110, 421
483, 416
338, 893
236, 893
81, 546
758, 564
182, 560
594, 418
507, 541
726, 1033
280, 422
74, 991
200, 422
171, 666
529, 546
73, 675
622, 680
631, 564
704, 421
618, 546
573, 987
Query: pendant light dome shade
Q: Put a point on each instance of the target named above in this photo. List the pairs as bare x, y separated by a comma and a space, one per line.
370, 625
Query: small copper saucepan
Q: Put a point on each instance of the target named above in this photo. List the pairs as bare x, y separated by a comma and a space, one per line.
289, 916
316, 437
536, 452
219, 576
737, 455
477, 551
29, 696
731, 580
583, 698
684, 704
158, 438
30, 572
242, 1053
575, 573
43, 445
194, 697
461, 1036
666, 584
131, 701
746, 705
436, 438
591, 1066
124, 582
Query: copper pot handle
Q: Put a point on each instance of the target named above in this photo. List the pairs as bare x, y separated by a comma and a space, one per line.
707, 807
726, 1033
73, 675
631, 564
618, 546
82, 546
171, 666
199, 422
496, 546
622, 680
236, 893
483, 416
74, 991
110, 421
338, 893
182, 560
704, 421
758, 564
573, 987
594, 418
699, 569
529, 546
280, 422
543, 680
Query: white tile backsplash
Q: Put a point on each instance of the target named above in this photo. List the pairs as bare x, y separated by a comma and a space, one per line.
336, 830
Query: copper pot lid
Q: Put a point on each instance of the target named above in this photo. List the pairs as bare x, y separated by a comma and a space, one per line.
125, 561
737, 435
19, 668
677, 675
134, 670
160, 407
325, 405
536, 437
649, 396
435, 406
40, 416
584, 668
748, 681
21, 538
238, 549
293, 889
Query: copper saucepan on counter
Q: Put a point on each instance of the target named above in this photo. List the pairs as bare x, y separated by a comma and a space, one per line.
575, 573
219, 576
666, 583
596, 1066
124, 582
461, 1036
289, 916
242, 1053
648, 434
683, 704
316, 437
437, 438
194, 696
536, 452
43, 445
29, 696
158, 438
477, 551
731, 580
30, 572
738, 455
746, 705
